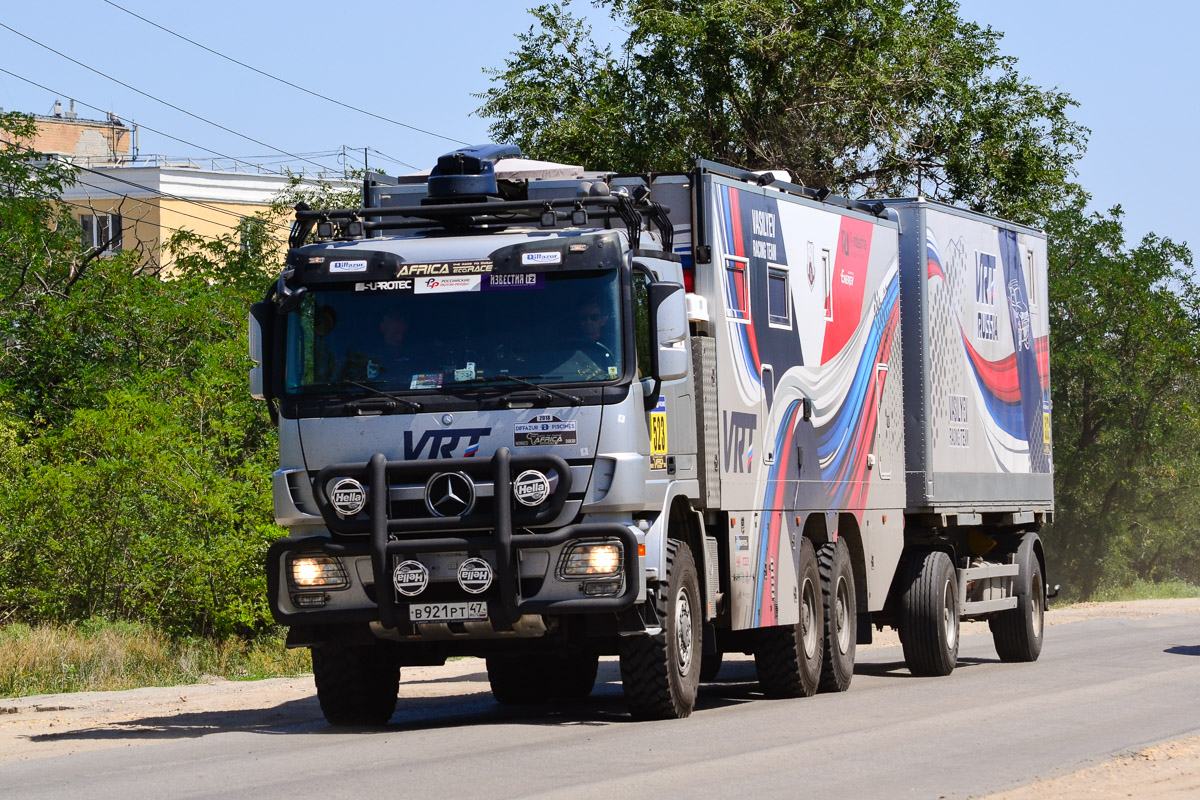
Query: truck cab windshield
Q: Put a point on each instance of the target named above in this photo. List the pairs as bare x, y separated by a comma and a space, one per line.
545, 328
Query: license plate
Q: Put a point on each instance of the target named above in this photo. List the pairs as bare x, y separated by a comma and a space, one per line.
447, 612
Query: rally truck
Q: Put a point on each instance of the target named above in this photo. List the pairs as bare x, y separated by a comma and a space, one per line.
540, 415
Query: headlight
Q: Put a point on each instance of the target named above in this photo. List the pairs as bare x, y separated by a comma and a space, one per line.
591, 559
314, 571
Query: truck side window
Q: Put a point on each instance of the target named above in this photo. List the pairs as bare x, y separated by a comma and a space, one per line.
641, 322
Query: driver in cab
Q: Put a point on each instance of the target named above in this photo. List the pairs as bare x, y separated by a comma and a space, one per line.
591, 337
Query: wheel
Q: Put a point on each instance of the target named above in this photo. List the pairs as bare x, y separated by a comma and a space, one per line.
526, 679
660, 674
356, 685
929, 615
788, 658
573, 677
841, 616
1017, 633
519, 679
710, 666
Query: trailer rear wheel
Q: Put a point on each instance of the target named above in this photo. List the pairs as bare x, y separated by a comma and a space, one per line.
356, 685
1017, 633
788, 658
929, 623
660, 674
841, 616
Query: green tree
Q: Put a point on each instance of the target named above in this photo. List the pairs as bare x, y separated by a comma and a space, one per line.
873, 98
1125, 349
134, 467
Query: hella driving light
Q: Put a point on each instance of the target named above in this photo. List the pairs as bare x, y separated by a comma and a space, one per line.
590, 559
313, 571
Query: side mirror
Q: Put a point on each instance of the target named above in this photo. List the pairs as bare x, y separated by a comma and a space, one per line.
262, 326
668, 310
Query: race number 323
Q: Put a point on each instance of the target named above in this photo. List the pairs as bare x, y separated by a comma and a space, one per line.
658, 428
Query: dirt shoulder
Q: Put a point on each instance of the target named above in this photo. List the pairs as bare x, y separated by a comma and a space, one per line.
45, 726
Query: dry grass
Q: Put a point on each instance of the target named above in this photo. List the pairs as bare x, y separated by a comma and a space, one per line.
99, 656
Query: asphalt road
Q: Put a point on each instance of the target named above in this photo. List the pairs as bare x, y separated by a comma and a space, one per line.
1102, 687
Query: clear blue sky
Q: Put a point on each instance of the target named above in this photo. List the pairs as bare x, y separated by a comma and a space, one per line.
1127, 64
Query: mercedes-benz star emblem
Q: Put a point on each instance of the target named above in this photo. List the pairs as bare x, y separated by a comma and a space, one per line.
450, 494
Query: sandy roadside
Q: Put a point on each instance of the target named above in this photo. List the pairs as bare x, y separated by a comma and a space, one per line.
44, 726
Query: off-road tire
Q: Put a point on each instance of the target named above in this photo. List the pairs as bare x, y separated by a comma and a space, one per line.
573, 677
788, 657
1017, 633
841, 616
660, 674
929, 615
710, 666
519, 679
356, 685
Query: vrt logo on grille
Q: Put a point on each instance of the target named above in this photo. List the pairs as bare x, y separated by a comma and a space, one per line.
475, 575
531, 488
348, 497
410, 578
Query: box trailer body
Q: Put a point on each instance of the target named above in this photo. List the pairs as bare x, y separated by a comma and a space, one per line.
540, 415
976, 322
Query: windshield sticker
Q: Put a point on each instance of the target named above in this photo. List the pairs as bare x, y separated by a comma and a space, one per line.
347, 266
613, 373
448, 283
384, 286
426, 380
520, 280
544, 429
467, 374
444, 268
544, 257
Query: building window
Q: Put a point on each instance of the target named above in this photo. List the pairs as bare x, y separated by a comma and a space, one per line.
101, 230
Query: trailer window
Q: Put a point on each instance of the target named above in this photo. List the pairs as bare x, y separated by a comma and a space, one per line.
827, 276
737, 288
779, 297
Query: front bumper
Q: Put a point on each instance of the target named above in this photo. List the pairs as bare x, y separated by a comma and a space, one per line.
490, 535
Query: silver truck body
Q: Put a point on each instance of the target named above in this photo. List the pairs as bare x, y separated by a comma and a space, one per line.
833, 415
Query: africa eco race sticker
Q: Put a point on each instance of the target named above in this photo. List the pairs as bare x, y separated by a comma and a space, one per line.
545, 257
448, 283
544, 429
467, 374
658, 432
444, 268
426, 380
347, 266
521, 280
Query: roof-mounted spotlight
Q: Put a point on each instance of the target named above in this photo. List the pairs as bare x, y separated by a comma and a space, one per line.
578, 216
766, 179
823, 193
878, 208
549, 218
640, 192
324, 229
